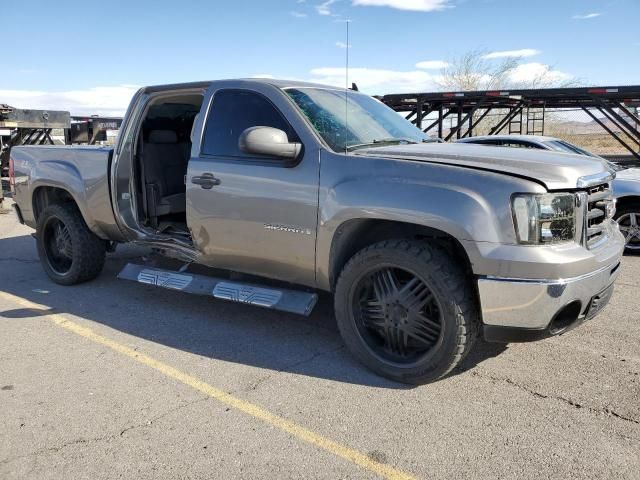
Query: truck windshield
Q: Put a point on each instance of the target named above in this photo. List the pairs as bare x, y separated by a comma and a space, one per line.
352, 121
562, 146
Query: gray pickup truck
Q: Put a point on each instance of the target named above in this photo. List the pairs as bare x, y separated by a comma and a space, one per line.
424, 245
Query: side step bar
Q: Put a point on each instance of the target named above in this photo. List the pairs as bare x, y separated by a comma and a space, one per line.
285, 300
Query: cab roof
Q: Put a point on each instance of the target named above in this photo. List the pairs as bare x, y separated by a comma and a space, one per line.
279, 83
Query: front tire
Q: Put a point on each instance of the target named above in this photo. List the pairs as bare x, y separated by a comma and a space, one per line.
69, 252
406, 310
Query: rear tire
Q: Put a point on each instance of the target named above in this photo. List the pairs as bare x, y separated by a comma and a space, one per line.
628, 218
406, 310
69, 252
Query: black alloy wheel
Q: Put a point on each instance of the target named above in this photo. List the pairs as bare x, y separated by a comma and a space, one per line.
397, 315
407, 309
58, 245
70, 253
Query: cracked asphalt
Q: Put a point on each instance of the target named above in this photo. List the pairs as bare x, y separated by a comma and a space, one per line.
564, 408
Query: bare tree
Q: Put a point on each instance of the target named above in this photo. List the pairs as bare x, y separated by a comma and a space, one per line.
474, 71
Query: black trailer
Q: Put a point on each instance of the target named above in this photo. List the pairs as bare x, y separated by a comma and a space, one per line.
35, 127
90, 130
28, 127
454, 115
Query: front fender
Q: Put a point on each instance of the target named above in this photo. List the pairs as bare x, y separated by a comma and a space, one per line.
624, 188
471, 206
456, 210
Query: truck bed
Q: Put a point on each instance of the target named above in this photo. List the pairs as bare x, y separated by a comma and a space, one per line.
82, 171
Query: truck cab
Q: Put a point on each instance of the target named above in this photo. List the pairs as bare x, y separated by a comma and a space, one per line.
181, 177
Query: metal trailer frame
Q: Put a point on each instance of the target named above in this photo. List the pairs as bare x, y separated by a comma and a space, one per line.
615, 104
92, 129
29, 127
34, 127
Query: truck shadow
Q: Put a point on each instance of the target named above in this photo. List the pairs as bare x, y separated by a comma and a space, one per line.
199, 325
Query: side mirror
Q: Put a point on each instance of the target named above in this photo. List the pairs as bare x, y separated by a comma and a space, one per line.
268, 141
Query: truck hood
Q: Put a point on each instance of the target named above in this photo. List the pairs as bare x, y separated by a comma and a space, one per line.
557, 171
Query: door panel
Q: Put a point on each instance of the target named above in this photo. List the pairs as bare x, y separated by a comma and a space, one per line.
125, 197
257, 215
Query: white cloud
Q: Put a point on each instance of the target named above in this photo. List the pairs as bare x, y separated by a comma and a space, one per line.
432, 65
324, 8
586, 16
106, 101
376, 81
412, 5
298, 14
528, 73
342, 45
113, 101
525, 52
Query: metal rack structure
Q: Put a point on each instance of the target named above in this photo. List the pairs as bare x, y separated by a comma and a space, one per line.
90, 130
28, 127
35, 127
615, 109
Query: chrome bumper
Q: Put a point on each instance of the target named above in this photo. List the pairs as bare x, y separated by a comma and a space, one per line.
533, 304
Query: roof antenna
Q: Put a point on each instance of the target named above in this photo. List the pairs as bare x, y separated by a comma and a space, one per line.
346, 91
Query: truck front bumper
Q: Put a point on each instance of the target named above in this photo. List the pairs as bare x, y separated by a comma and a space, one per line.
520, 310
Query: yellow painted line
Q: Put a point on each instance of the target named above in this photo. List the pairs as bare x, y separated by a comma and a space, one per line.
299, 432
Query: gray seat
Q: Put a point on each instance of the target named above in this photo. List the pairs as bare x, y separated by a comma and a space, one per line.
165, 165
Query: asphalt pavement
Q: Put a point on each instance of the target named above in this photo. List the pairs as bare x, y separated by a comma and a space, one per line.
113, 379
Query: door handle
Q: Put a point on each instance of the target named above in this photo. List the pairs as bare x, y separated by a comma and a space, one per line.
206, 180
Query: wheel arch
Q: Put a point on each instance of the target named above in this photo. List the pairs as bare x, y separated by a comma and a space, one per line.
355, 234
628, 201
45, 195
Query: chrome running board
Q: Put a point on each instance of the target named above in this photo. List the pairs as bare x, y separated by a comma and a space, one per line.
286, 300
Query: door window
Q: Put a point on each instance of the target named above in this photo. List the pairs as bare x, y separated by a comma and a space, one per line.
514, 144
231, 113
475, 141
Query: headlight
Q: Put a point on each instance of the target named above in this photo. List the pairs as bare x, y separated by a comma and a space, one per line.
544, 218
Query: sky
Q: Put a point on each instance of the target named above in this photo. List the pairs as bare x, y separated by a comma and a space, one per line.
91, 59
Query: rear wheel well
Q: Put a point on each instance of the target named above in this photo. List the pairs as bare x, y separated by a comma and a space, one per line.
45, 196
354, 235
